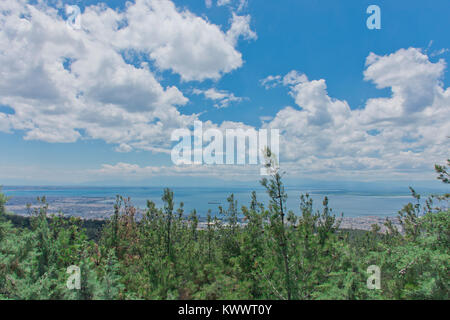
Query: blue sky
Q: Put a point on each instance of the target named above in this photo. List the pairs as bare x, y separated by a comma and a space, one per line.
60, 125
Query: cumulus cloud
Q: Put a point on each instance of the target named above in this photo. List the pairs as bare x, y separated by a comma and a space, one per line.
407, 132
412, 78
222, 98
101, 81
179, 40
223, 2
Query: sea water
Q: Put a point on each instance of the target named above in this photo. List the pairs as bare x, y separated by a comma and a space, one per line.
97, 202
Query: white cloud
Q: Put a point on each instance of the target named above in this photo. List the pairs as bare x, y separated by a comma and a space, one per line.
64, 84
178, 40
411, 76
222, 98
240, 27
265, 118
292, 78
439, 52
242, 4
405, 133
270, 81
239, 5
122, 170
124, 148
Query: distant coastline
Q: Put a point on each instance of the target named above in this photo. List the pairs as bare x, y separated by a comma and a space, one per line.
96, 203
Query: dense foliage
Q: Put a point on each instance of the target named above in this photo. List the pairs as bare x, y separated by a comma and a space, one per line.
275, 254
